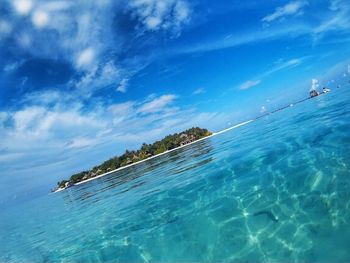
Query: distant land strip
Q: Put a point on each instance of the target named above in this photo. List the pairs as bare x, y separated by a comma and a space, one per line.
174, 142
129, 158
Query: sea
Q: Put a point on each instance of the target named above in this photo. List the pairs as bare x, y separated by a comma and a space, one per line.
276, 189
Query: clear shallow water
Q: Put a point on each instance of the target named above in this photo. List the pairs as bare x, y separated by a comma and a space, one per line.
198, 203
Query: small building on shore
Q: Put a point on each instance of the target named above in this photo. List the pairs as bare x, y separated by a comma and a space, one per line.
68, 184
313, 93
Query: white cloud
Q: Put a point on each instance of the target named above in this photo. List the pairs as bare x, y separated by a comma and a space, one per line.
182, 11
39, 125
85, 58
157, 104
123, 85
166, 14
12, 66
45, 98
109, 71
122, 109
40, 19
97, 77
23, 7
249, 84
153, 22
199, 91
314, 84
26, 120
335, 23
39, 122
122, 112
292, 8
337, 20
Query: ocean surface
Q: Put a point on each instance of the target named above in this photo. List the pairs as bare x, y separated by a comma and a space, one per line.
277, 189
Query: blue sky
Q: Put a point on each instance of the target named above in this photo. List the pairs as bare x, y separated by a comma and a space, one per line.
81, 81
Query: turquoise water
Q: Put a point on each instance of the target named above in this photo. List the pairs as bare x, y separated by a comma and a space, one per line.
277, 189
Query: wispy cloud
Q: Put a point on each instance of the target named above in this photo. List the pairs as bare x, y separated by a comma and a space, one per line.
249, 84
104, 75
279, 65
123, 85
239, 39
316, 24
199, 91
13, 66
81, 143
156, 15
290, 9
337, 20
157, 104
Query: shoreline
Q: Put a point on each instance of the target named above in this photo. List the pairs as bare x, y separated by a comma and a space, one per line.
157, 155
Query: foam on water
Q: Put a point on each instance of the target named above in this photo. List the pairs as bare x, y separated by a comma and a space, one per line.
274, 190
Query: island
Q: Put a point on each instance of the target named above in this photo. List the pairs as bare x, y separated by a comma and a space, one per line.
146, 151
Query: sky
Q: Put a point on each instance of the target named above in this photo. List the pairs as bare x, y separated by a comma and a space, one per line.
81, 81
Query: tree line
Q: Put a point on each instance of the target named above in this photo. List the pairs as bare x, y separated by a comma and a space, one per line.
147, 150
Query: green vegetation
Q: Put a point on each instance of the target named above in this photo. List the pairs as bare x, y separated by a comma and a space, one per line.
146, 151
